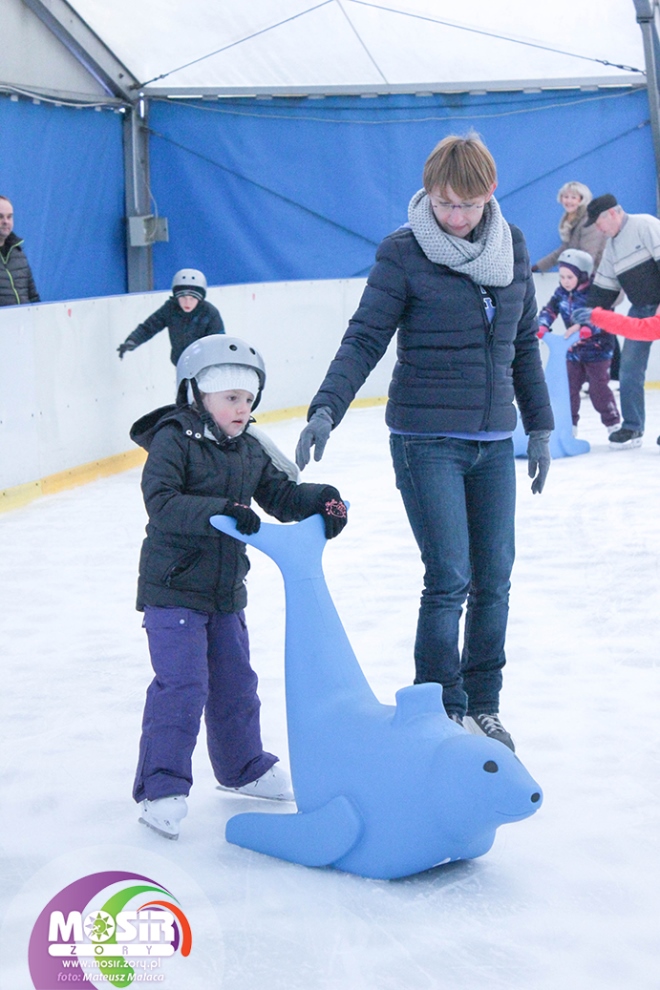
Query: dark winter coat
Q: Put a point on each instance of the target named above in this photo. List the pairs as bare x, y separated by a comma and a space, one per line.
598, 347
455, 371
16, 281
184, 328
187, 479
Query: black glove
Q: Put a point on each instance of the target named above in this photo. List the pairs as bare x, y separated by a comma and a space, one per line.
582, 314
128, 345
333, 510
538, 458
315, 435
247, 521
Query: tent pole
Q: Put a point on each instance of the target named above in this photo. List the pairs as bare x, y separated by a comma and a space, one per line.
647, 19
139, 259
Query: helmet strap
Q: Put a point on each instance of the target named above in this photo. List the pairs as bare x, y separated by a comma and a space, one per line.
204, 414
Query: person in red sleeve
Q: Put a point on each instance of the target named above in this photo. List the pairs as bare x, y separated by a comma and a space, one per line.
646, 328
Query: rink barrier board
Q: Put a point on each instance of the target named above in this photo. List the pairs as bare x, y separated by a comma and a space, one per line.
67, 402
21, 495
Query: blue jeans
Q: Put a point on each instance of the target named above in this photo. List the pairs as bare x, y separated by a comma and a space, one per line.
460, 496
632, 372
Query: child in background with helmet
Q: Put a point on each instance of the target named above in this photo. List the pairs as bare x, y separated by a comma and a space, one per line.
187, 314
631, 327
202, 461
590, 357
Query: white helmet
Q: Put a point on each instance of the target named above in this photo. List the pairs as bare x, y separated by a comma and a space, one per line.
581, 260
218, 349
189, 282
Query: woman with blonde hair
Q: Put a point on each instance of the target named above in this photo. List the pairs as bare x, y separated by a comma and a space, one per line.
574, 197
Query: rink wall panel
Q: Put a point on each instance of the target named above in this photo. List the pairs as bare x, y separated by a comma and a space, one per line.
67, 402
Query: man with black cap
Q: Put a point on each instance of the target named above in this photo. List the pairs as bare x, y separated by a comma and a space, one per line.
631, 261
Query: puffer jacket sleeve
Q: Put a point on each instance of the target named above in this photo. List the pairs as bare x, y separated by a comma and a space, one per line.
529, 383
550, 312
368, 335
152, 325
170, 509
283, 498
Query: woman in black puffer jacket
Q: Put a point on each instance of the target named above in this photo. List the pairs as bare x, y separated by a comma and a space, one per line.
456, 283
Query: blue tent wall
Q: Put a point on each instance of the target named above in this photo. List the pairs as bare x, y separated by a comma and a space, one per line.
268, 190
62, 168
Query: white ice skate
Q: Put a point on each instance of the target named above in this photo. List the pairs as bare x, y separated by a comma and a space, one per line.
164, 814
274, 785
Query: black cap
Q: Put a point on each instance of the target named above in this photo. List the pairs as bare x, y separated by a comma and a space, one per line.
598, 206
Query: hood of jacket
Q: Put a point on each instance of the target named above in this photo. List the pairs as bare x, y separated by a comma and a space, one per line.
145, 429
188, 419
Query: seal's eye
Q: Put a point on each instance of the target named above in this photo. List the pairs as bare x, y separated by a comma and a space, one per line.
490, 766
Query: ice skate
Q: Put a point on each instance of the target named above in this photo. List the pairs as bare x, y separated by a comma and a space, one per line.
624, 439
488, 725
164, 814
274, 785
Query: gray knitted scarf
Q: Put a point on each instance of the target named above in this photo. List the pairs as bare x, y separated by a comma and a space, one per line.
487, 259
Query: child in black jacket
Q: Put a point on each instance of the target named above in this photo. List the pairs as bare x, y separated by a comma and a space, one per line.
203, 461
187, 314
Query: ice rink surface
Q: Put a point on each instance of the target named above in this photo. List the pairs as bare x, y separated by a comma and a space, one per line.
567, 900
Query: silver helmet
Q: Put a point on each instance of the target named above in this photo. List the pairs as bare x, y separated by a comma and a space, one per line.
581, 260
189, 282
219, 349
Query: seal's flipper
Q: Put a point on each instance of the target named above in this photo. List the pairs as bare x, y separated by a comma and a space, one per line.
315, 838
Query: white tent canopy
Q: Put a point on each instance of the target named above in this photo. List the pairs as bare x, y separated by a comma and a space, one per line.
201, 45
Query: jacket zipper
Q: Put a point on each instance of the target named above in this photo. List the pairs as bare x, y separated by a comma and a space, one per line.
489, 328
5, 263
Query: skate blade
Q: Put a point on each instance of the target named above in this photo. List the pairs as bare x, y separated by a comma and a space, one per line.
628, 445
259, 797
160, 831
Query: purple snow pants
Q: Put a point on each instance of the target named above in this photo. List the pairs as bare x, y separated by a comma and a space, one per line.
202, 664
597, 373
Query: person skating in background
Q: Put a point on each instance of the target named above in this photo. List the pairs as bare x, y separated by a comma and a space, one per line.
590, 357
631, 327
187, 314
202, 461
573, 229
631, 261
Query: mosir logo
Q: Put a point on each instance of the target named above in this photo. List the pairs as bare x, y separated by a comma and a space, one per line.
117, 928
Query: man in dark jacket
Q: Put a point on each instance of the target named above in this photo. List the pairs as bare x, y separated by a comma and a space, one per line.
187, 315
16, 281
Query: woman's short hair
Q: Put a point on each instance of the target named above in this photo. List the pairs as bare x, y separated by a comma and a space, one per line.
579, 189
464, 163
